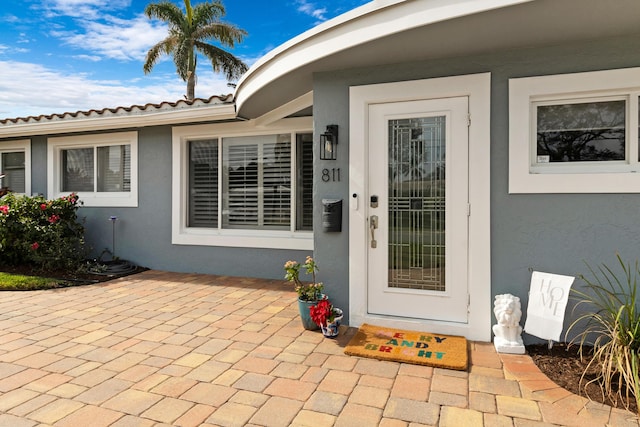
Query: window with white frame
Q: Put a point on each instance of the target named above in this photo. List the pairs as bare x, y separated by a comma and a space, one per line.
15, 171
102, 168
243, 188
575, 133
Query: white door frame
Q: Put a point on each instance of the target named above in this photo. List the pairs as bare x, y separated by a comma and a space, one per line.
478, 88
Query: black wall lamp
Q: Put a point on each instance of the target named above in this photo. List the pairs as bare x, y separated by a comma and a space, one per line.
329, 143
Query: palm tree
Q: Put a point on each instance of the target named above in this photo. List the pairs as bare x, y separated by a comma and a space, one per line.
188, 34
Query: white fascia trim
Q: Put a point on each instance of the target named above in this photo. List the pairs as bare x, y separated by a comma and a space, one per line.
133, 120
23, 145
478, 88
183, 235
375, 20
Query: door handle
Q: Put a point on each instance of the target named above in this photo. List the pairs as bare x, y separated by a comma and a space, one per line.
373, 224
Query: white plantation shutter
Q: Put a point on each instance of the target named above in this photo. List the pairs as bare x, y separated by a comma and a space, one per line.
256, 190
203, 183
277, 184
241, 186
257, 187
125, 161
304, 185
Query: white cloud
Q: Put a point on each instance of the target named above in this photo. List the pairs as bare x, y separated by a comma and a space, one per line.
116, 38
9, 49
309, 8
31, 90
92, 58
23, 38
9, 19
86, 9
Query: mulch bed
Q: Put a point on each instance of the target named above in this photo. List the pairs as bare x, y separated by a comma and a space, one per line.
562, 364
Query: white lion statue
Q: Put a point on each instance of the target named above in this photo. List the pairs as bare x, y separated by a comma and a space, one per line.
508, 332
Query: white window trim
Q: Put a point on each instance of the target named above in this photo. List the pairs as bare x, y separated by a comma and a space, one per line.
22, 145
93, 199
600, 177
183, 235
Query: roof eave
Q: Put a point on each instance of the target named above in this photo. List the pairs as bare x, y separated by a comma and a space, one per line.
374, 20
168, 117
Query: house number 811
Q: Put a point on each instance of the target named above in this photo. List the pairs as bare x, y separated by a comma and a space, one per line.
332, 174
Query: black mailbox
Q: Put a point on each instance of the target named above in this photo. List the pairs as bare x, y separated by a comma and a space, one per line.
332, 214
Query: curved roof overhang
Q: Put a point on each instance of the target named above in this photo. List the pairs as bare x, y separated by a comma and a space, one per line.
395, 31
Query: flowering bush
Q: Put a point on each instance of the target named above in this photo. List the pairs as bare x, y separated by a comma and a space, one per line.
306, 291
323, 313
39, 232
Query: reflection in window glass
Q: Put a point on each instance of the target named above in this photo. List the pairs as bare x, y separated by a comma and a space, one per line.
14, 171
114, 168
77, 169
113, 165
581, 132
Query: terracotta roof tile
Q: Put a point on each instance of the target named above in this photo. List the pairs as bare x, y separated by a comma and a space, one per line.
125, 111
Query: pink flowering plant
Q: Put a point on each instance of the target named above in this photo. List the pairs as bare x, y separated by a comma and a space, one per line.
41, 233
307, 291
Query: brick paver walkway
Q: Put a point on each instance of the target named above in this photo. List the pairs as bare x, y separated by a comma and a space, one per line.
169, 349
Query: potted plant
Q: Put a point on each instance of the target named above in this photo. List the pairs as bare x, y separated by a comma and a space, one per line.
328, 317
309, 293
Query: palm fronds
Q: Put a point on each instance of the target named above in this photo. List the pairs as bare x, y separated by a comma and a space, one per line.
190, 32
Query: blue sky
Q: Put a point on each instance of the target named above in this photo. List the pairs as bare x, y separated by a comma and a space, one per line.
69, 55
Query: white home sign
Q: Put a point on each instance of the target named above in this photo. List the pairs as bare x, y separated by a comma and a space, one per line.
548, 298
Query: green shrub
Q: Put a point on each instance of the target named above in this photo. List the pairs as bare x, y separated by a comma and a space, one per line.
42, 233
611, 324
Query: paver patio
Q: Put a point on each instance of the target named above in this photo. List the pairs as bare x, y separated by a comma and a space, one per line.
160, 349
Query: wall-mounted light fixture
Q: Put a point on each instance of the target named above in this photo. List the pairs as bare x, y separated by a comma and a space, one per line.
329, 143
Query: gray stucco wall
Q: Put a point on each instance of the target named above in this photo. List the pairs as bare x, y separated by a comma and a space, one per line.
553, 233
143, 234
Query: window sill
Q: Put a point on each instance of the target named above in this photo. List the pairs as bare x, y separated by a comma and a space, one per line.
302, 240
104, 200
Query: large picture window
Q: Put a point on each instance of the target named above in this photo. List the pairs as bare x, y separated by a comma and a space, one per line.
100, 168
244, 189
575, 133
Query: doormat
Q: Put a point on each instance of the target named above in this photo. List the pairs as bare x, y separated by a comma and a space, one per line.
421, 348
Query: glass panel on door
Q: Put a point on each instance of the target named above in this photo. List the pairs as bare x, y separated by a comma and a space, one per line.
417, 154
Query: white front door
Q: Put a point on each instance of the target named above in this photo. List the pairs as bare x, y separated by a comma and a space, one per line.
417, 204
